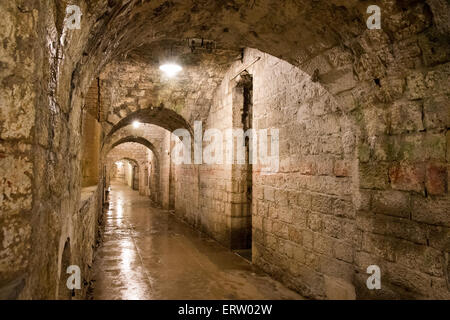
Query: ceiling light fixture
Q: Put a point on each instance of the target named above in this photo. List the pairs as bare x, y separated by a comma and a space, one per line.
136, 124
170, 69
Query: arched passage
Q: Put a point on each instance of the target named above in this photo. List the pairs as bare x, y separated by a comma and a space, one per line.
139, 140
134, 174
125, 170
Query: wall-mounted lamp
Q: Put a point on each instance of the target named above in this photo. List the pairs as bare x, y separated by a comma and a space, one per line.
136, 124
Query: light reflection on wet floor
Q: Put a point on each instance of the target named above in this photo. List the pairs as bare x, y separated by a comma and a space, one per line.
148, 254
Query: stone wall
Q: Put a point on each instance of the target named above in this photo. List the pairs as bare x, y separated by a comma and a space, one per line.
131, 86
153, 138
167, 173
17, 117
356, 187
303, 217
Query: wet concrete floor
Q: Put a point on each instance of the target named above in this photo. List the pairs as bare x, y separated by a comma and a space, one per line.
149, 254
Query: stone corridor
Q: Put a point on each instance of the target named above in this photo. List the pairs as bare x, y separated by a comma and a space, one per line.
149, 254
225, 149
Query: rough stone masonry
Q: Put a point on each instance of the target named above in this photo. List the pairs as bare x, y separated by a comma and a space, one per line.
363, 118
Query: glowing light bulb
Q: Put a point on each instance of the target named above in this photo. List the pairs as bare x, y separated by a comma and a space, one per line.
170, 69
136, 124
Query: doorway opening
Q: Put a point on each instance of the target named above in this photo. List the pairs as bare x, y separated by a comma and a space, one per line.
243, 104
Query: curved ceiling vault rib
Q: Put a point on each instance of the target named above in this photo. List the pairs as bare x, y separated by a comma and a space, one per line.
139, 140
129, 160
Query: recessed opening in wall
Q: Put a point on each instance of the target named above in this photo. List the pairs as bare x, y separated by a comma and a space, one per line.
90, 160
241, 240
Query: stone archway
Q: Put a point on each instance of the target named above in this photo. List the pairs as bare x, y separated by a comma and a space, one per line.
155, 175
